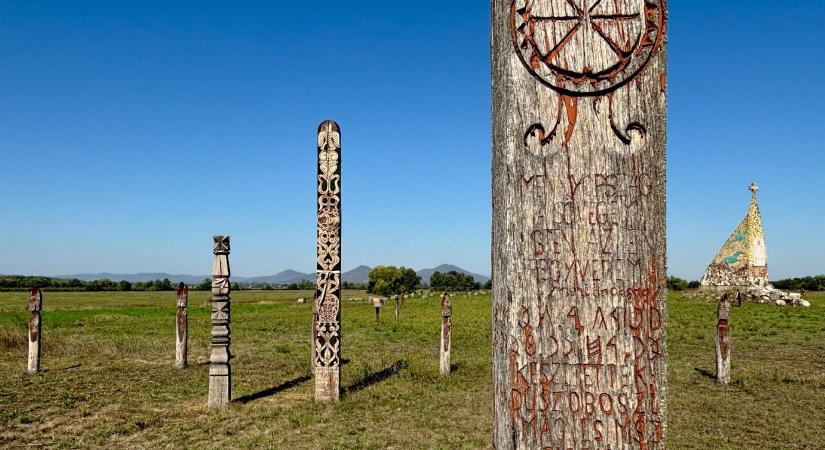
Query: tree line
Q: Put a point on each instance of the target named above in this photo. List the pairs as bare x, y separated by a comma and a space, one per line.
20, 283
814, 283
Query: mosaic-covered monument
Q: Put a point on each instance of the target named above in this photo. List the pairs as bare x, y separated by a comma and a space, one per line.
743, 259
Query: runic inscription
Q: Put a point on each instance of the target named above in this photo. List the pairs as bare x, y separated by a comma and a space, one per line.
579, 350
328, 257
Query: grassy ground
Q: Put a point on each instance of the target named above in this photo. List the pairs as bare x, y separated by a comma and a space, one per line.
108, 379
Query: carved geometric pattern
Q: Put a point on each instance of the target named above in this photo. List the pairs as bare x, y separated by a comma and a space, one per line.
586, 47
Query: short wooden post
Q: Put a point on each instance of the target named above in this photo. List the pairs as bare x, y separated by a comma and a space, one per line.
398, 299
579, 102
446, 333
35, 305
723, 341
377, 303
220, 373
181, 327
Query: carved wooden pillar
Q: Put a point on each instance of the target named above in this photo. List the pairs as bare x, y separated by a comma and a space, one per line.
35, 305
446, 333
220, 374
579, 105
181, 327
723, 341
328, 278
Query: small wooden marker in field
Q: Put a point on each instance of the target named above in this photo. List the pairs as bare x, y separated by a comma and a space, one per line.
327, 368
398, 300
181, 327
723, 341
35, 305
220, 373
446, 333
377, 303
579, 103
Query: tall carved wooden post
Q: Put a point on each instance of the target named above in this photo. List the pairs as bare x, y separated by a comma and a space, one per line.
35, 305
181, 327
220, 373
446, 333
723, 341
579, 104
328, 278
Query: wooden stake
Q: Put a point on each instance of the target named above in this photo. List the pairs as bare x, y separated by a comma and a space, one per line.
578, 252
723, 341
35, 328
181, 327
446, 334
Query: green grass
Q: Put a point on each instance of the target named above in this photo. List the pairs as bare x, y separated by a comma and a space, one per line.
109, 381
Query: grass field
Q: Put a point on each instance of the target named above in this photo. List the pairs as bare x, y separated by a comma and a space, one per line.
108, 378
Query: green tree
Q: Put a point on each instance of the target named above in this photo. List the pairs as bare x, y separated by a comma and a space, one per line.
391, 277
205, 285
453, 281
676, 284
409, 281
124, 285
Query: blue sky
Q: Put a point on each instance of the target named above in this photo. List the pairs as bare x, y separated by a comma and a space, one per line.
130, 132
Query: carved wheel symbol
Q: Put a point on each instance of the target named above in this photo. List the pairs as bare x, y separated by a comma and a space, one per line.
586, 47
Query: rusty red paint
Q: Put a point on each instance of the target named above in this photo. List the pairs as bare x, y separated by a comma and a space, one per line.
724, 338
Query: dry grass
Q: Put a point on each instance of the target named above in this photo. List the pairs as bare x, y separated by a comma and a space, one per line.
109, 381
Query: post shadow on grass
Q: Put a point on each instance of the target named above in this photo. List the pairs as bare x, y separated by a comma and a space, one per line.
62, 369
273, 390
276, 389
371, 378
706, 373
454, 367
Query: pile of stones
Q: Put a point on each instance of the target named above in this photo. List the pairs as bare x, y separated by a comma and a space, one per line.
770, 294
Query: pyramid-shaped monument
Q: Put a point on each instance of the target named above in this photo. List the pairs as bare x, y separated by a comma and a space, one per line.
743, 259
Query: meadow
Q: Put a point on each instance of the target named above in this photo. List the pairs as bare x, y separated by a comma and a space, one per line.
108, 378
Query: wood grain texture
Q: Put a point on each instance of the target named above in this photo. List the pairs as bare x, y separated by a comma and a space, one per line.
35, 329
220, 371
445, 352
723, 340
181, 327
578, 254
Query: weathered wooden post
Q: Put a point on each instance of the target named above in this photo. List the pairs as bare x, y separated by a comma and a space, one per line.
446, 333
181, 327
328, 277
398, 300
220, 373
377, 303
35, 305
313, 334
723, 341
579, 105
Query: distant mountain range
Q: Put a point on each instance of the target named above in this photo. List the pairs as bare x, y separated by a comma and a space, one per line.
359, 274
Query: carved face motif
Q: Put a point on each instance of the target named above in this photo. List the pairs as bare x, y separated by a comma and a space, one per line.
586, 47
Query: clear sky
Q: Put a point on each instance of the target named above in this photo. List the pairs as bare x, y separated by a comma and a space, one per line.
131, 132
